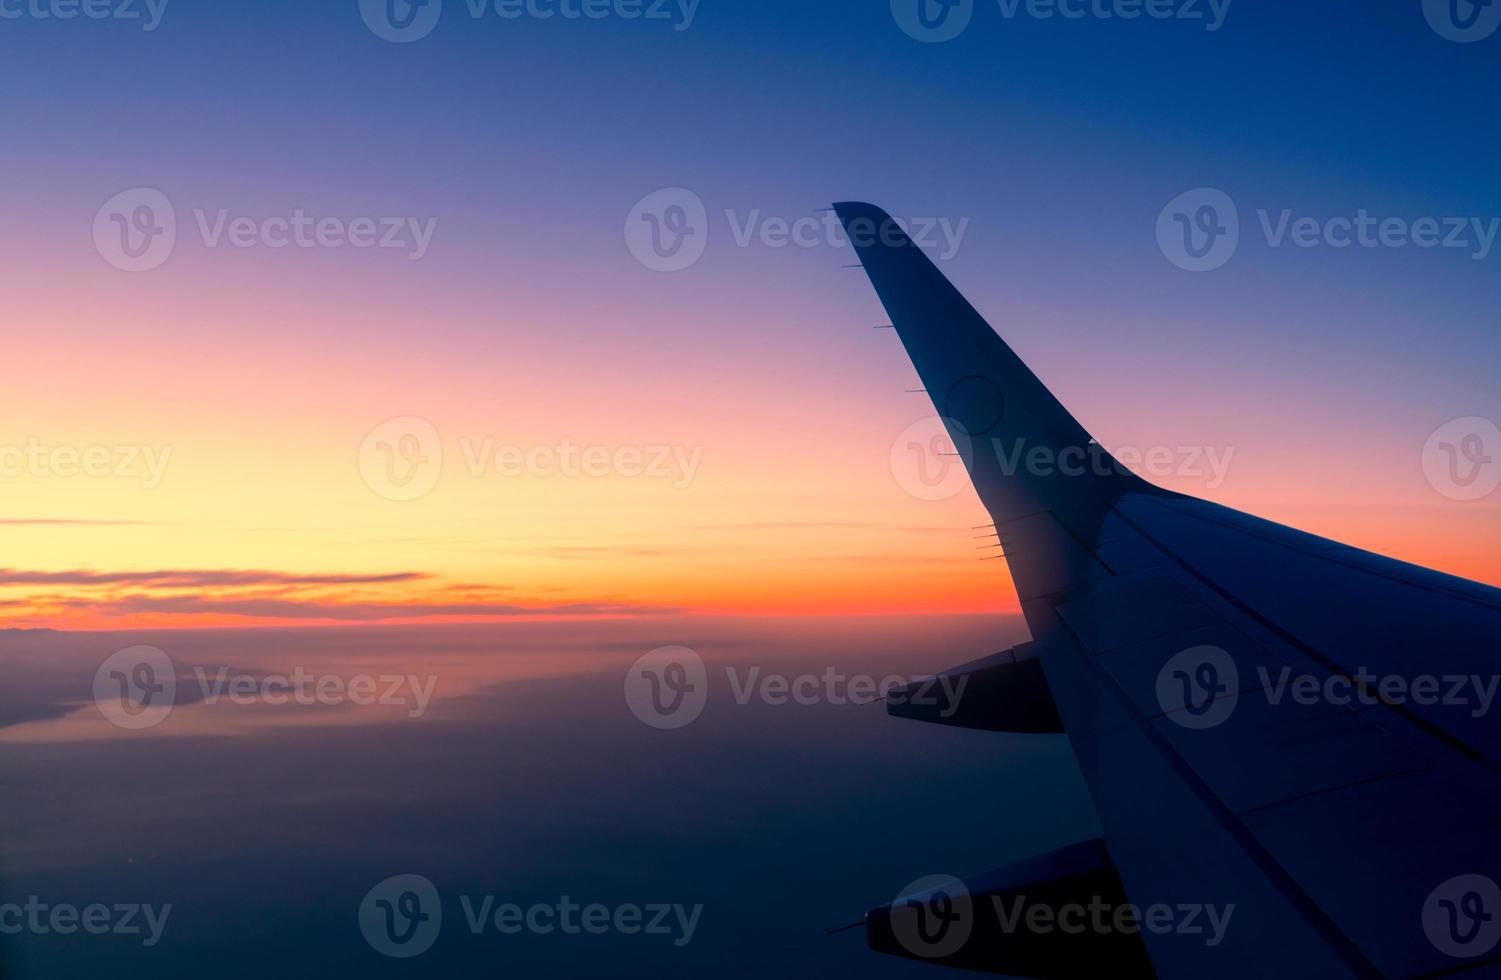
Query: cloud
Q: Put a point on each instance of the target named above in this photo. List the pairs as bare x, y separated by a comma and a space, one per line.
606, 551
20, 714
178, 578
275, 608
819, 525
63, 521
758, 525
164, 594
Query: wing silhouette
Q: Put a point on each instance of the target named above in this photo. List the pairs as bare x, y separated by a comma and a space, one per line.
1269, 722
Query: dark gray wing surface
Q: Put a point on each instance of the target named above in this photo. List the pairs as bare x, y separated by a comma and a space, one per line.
1266, 719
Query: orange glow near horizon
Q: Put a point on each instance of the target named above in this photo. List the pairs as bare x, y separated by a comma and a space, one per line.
881, 553
263, 511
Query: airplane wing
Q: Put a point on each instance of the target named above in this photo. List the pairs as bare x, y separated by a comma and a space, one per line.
1289, 735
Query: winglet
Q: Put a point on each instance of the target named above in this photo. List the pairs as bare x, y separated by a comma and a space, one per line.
1025, 453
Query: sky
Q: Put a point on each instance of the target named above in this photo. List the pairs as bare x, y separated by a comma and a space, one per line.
513, 411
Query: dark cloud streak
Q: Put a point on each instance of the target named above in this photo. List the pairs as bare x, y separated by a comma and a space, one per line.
206, 578
265, 608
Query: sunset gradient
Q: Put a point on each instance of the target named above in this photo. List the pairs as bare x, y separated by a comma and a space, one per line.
259, 372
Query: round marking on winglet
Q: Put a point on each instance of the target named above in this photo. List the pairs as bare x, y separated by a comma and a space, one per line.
976, 404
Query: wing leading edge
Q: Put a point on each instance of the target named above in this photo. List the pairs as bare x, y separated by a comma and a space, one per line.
1243, 698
